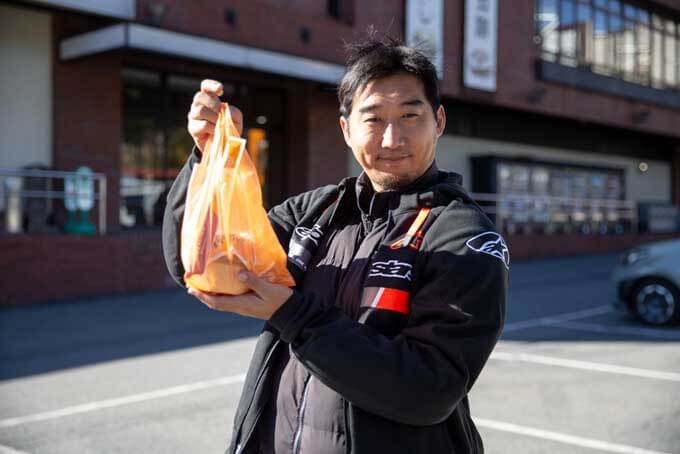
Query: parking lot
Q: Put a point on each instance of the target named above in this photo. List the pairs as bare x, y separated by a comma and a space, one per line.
159, 373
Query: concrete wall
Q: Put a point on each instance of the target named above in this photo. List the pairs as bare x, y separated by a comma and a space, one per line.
454, 153
25, 87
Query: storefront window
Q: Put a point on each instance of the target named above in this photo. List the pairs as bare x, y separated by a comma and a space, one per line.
156, 144
535, 197
142, 147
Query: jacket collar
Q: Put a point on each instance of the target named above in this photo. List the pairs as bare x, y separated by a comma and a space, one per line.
377, 204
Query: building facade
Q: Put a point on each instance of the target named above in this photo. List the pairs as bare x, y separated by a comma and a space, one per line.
563, 118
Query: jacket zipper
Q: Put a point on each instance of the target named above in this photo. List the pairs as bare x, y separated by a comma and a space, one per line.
241, 443
301, 416
348, 431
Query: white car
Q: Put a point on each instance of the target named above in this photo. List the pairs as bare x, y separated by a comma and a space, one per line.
647, 282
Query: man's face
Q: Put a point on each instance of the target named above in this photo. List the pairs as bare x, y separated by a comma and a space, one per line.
392, 130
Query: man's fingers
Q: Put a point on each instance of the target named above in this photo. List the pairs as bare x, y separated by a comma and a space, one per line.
259, 285
217, 302
210, 101
198, 128
201, 112
212, 87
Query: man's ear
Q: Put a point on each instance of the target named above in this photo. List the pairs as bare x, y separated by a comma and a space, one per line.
441, 120
344, 125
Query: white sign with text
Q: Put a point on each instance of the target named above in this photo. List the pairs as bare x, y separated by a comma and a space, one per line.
425, 27
481, 39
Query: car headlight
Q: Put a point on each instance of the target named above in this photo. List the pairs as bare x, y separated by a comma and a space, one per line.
633, 256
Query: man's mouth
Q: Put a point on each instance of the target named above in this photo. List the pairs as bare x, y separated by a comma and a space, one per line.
392, 158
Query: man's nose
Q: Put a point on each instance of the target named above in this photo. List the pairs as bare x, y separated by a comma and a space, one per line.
391, 137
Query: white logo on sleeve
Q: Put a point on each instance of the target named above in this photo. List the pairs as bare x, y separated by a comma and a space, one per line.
491, 243
391, 268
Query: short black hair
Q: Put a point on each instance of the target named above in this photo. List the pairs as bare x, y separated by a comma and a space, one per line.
376, 58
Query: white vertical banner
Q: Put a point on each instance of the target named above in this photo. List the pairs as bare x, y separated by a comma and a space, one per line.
481, 42
425, 26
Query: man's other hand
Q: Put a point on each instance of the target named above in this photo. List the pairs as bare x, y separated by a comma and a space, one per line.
261, 302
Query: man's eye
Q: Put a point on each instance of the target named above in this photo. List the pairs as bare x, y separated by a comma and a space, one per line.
372, 120
410, 115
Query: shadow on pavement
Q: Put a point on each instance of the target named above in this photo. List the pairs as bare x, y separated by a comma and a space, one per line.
42, 338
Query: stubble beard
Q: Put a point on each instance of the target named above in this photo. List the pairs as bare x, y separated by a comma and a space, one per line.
388, 182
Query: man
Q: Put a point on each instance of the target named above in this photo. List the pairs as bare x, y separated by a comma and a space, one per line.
400, 290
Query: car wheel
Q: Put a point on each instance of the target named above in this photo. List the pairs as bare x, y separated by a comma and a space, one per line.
656, 302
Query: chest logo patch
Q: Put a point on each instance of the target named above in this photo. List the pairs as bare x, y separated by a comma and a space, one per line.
391, 268
313, 234
491, 243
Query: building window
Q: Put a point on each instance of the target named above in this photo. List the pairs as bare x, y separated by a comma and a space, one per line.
155, 143
535, 197
341, 10
612, 38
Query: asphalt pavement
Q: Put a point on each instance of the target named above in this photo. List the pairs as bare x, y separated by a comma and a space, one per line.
160, 373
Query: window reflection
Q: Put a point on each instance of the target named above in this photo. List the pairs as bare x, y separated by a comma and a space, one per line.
628, 51
584, 37
670, 56
567, 33
547, 26
611, 37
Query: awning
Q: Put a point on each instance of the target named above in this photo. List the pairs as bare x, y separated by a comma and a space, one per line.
143, 37
121, 9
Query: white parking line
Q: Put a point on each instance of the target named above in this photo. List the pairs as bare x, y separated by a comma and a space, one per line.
627, 330
590, 443
108, 403
555, 319
7, 450
586, 365
491, 424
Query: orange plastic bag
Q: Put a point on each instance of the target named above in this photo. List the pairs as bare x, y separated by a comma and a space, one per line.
225, 228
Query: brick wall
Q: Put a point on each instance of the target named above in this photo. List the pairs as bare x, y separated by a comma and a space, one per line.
52, 267
328, 155
517, 52
276, 25
87, 116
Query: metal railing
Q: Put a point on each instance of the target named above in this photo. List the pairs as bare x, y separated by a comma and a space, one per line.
15, 192
512, 213
525, 212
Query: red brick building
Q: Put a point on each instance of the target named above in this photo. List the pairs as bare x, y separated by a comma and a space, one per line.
584, 105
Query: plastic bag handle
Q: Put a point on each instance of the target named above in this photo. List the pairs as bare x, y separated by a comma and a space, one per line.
231, 127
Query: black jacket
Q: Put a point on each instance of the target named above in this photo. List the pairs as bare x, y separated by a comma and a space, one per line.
405, 393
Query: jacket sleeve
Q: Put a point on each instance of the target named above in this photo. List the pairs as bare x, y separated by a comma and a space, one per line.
420, 376
172, 219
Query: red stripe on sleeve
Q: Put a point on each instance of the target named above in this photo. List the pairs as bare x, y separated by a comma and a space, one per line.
394, 300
